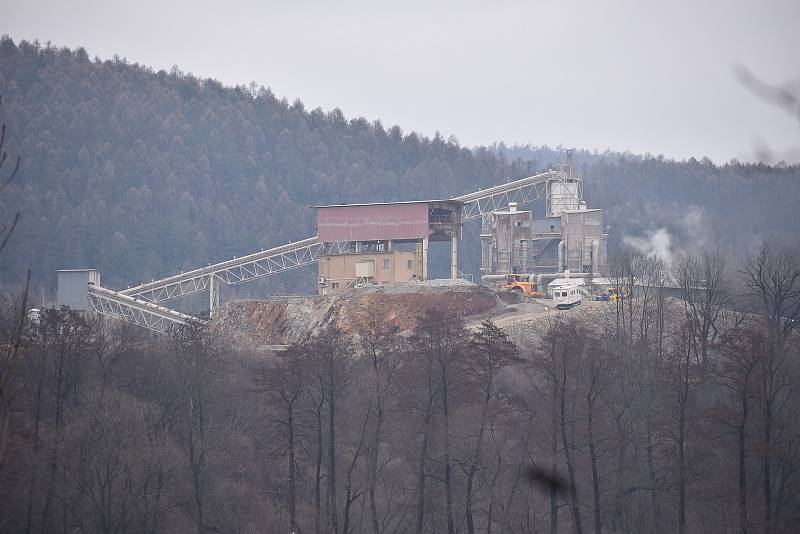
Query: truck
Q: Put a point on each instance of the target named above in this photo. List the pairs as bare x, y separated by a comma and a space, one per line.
566, 295
522, 283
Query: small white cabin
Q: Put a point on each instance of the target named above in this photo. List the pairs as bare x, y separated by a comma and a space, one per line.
566, 295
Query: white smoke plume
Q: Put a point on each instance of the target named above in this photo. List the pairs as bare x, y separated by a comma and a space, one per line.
657, 243
697, 230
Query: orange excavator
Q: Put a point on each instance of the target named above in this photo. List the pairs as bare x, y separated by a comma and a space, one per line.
522, 283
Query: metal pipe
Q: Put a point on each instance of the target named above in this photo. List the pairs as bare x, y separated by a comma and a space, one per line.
561, 246
540, 277
453, 257
424, 258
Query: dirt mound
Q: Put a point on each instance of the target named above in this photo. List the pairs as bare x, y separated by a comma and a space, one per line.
267, 322
275, 322
404, 309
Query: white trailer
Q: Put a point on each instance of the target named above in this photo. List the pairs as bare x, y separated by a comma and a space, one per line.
566, 295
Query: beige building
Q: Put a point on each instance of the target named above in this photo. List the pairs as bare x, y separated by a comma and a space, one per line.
338, 272
383, 242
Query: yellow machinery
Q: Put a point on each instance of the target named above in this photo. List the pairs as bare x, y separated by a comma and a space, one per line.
616, 295
522, 284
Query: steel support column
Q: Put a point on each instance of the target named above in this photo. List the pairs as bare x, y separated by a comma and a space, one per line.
425, 258
454, 257
213, 295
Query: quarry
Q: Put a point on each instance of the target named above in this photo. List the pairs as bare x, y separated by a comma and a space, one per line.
374, 258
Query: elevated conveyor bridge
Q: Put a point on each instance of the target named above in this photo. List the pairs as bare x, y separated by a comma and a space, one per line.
140, 305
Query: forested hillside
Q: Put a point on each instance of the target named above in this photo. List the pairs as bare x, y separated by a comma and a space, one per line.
700, 204
141, 173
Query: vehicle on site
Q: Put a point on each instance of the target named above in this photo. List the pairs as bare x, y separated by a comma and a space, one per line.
566, 296
522, 283
614, 294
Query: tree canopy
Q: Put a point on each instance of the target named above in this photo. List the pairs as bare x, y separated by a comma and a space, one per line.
143, 173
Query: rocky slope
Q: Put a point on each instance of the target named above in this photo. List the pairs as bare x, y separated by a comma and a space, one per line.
282, 321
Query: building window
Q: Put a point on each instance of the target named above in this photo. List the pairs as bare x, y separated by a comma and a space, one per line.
335, 285
410, 264
385, 264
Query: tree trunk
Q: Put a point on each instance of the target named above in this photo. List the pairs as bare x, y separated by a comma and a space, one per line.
421, 477
290, 445
35, 462
682, 470
598, 526
318, 473
373, 458
573, 490
332, 461
504, 512
448, 489
767, 469
656, 524
743, 468
473, 468
350, 496
554, 471
54, 453
197, 461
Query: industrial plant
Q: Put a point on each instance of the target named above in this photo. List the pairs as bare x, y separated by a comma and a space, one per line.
381, 243
566, 236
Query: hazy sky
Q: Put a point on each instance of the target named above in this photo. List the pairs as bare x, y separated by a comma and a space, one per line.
644, 76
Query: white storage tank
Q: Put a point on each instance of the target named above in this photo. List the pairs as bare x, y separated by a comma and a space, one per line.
73, 287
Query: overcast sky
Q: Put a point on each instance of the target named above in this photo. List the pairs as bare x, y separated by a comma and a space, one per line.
644, 76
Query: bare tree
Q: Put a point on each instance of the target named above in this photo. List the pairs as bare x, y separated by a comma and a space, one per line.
741, 349
704, 290
7, 228
594, 370
490, 351
282, 381
383, 349
199, 355
10, 352
64, 339
683, 363
448, 336
114, 471
563, 346
773, 278
329, 359
440, 339
424, 364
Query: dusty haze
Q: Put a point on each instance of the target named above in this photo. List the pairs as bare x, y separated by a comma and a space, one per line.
641, 76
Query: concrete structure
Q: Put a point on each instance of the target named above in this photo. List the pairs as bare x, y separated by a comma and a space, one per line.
73, 288
569, 236
382, 230
338, 272
378, 233
511, 249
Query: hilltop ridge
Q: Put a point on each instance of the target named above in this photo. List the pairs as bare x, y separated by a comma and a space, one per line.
143, 173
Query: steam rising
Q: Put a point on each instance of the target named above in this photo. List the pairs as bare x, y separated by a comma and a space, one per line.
657, 243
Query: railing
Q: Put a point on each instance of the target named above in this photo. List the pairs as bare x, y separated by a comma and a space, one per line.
145, 314
238, 270
521, 191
